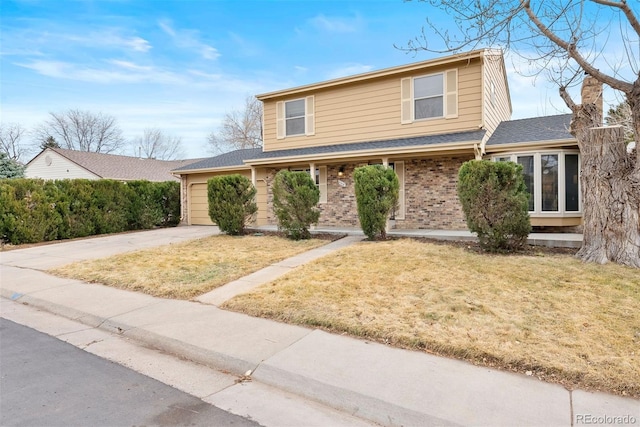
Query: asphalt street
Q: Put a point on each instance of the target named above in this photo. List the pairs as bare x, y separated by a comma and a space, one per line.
47, 382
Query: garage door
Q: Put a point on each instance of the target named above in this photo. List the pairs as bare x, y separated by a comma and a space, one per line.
199, 206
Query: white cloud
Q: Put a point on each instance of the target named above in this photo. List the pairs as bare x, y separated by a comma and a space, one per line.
349, 70
336, 24
132, 73
189, 39
165, 25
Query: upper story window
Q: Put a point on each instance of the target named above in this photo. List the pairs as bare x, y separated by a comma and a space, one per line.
295, 117
552, 180
429, 97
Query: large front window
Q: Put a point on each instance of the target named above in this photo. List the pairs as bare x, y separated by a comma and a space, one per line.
428, 96
552, 180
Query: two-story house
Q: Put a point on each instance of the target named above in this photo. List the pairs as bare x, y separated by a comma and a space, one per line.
423, 120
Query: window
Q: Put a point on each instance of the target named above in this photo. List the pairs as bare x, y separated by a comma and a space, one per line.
428, 97
549, 167
571, 179
529, 178
552, 180
294, 117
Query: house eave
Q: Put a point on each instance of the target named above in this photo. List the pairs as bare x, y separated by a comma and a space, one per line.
458, 147
216, 169
520, 146
373, 74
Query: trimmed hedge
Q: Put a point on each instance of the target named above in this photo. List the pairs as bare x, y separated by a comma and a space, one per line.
33, 210
495, 203
377, 192
295, 203
231, 202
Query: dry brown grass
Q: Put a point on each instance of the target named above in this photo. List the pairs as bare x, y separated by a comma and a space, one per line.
187, 269
547, 315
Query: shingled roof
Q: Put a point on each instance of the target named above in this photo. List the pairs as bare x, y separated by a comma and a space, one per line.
123, 168
232, 158
239, 157
536, 129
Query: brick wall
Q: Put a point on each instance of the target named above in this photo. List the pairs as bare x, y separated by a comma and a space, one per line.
430, 196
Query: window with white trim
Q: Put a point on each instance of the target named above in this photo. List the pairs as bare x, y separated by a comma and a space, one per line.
430, 96
552, 179
295, 117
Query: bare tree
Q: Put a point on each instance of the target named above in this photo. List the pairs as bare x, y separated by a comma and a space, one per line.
155, 144
568, 39
83, 131
239, 129
11, 135
620, 115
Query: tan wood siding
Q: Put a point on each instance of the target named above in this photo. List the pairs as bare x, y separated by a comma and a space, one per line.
261, 196
499, 111
371, 110
199, 205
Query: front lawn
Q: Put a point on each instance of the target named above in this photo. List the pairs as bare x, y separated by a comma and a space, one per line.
187, 269
545, 315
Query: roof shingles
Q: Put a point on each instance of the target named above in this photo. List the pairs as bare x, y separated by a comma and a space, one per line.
238, 157
536, 129
123, 168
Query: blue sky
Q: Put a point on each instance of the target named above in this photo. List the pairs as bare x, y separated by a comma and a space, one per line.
180, 65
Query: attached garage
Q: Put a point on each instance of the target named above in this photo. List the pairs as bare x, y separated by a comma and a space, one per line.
193, 182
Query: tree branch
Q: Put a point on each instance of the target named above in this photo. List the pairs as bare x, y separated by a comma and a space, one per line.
573, 53
622, 5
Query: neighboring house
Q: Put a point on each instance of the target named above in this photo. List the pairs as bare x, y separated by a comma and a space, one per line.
58, 163
423, 119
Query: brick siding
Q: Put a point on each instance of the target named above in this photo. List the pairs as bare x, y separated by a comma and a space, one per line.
430, 196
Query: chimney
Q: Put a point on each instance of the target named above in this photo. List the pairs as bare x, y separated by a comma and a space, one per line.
592, 94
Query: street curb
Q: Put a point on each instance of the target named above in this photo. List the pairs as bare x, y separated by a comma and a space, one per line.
351, 402
211, 359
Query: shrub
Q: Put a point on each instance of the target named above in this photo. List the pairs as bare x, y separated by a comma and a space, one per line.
377, 190
166, 195
494, 199
35, 210
144, 211
295, 200
231, 202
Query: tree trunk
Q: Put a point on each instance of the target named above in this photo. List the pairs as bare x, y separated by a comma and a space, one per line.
611, 198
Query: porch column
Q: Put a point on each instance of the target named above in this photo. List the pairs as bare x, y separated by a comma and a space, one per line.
387, 225
312, 171
253, 176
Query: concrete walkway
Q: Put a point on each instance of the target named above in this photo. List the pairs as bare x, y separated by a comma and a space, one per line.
557, 240
372, 381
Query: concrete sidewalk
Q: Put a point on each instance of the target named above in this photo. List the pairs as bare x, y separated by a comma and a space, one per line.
372, 381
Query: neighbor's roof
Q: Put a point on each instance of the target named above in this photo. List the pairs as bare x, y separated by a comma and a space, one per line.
536, 129
124, 168
247, 156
